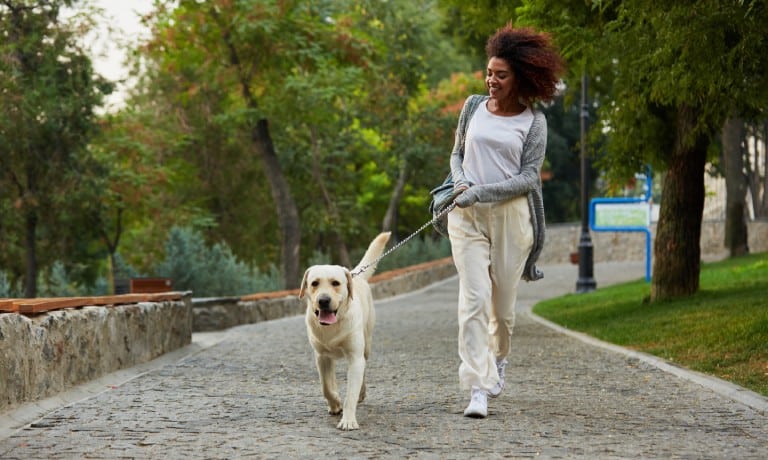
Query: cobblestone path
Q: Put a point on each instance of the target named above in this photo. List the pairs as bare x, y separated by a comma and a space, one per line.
256, 394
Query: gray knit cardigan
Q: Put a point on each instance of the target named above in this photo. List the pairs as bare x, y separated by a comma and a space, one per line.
528, 182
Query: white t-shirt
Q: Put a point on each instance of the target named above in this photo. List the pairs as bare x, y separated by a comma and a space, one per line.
494, 144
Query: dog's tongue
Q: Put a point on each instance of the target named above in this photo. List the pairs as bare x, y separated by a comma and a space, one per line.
327, 317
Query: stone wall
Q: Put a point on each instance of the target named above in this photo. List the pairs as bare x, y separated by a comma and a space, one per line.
47, 353
221, 313
563, 239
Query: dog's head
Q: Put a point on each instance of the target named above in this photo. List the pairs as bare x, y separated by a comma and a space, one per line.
328, 289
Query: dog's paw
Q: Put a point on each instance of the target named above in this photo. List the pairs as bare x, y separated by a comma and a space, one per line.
348, 424
334, 407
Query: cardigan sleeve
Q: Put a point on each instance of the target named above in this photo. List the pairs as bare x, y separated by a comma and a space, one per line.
457, 154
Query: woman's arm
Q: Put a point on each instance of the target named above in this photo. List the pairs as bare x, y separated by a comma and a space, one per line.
460, 181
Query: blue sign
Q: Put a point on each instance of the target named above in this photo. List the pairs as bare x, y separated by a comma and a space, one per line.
626, 214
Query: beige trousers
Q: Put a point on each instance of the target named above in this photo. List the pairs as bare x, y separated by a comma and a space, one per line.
490, 244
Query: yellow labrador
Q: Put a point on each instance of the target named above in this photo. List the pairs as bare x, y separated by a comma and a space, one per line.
340, 319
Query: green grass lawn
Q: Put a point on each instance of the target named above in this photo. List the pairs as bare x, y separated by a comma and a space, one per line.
721, 331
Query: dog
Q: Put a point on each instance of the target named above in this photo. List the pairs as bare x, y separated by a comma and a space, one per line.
340, 319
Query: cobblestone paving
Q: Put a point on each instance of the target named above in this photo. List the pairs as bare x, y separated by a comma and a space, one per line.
256, 394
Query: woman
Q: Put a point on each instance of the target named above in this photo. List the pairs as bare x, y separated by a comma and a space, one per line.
497, 228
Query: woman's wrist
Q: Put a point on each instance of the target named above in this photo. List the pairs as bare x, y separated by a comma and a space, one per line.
460, 186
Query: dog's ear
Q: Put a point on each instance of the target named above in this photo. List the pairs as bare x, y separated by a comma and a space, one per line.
303, 287
349, 283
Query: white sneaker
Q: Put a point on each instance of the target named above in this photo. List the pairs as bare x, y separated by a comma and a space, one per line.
500, 367
478, 405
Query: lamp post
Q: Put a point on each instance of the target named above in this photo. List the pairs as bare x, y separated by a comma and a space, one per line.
586, 281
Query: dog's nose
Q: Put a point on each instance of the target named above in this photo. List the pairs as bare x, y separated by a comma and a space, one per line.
324, 301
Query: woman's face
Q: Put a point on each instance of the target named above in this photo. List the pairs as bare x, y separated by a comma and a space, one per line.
500, 80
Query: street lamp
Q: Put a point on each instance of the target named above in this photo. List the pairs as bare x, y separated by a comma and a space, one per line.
586, 281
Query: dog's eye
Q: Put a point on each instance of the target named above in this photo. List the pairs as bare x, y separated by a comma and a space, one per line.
335, 283
315, 283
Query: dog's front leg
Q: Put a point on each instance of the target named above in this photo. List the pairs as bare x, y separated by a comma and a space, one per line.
327, 372
355, 375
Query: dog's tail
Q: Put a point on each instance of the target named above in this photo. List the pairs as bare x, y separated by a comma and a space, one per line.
374, 251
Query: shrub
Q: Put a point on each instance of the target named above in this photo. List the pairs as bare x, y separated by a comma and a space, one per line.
415, 251
54, 281
6, 286
210, 271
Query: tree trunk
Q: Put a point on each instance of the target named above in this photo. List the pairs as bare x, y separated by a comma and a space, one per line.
736, 188
30, 285
287, 213
389, 224
677, 249
333, 212
111, 245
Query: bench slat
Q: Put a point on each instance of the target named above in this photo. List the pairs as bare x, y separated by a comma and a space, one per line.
44, 304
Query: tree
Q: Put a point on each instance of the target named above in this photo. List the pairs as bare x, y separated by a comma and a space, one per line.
129, 191
329, 88
410, 58
249, 64
226, 53
49, 93
676, 71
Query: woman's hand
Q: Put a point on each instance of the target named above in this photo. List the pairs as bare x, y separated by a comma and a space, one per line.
465, 198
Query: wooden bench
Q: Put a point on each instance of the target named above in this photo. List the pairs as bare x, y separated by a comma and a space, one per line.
150, 285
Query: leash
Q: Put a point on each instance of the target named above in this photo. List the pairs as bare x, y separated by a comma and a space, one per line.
439, 215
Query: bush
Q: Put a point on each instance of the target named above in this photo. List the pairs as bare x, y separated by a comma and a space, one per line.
415, 251
210, 271
54, 281
6, 286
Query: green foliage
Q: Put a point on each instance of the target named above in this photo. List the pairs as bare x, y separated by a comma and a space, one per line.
210, 271
133, 185
47, 115
123, 269
416, 251
56, 282
428, 137
669, 75
562, 191
471, 23
722, 330
7, 288
335, 80
362, 99
647, 61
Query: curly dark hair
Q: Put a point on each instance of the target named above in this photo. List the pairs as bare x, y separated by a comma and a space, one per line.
533, 57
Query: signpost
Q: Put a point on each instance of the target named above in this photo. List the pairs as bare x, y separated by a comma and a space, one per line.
626, 214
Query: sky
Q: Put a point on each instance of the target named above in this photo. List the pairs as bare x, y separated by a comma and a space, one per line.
108, 57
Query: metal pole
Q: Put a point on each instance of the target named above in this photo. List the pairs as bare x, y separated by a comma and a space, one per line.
586, 281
